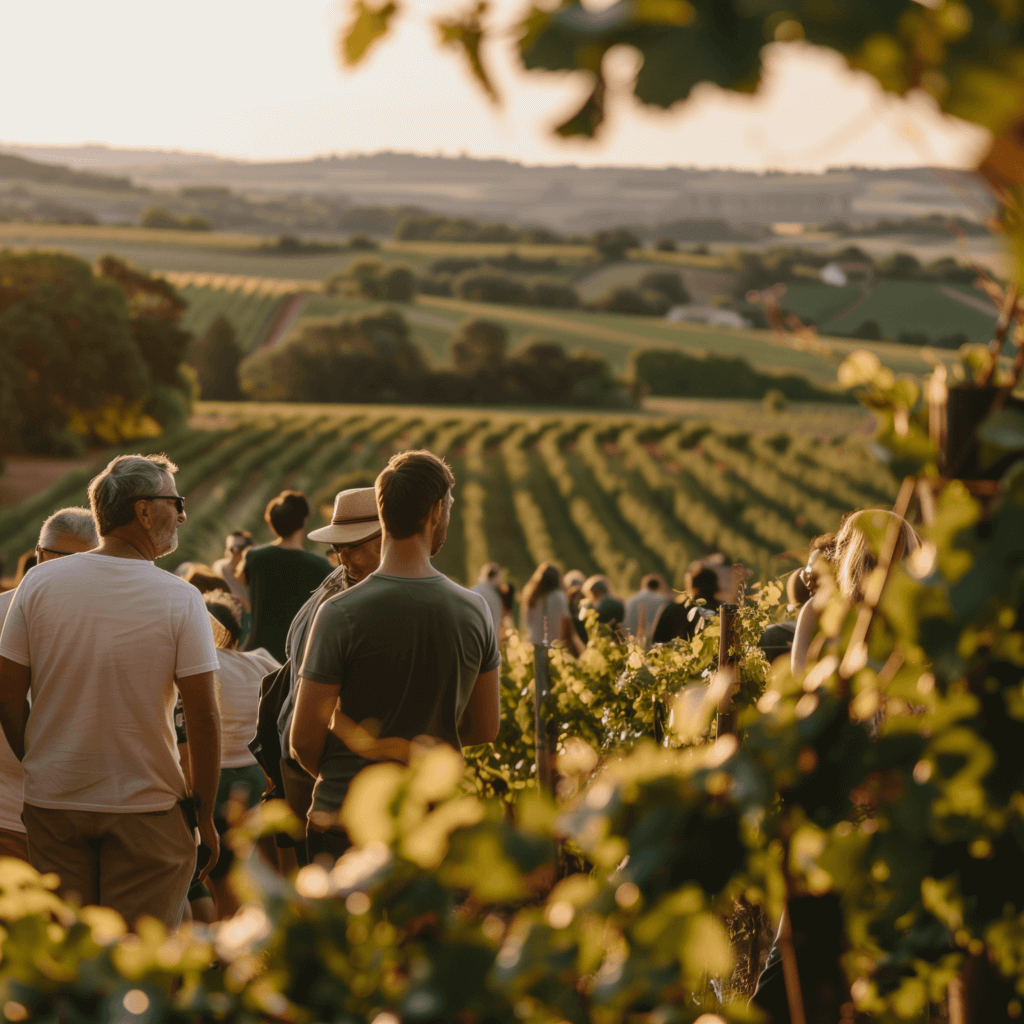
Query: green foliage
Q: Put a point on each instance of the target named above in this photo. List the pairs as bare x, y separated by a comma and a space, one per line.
612, 244
437, 228
671, 372
966, 54
478, 345
86, 356
373, 279
365, 359
215, 358
158, 217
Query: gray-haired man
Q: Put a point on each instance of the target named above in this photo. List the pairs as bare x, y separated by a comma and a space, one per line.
67, 532
103, 639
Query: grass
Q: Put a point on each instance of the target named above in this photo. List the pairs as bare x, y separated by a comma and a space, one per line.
918, 306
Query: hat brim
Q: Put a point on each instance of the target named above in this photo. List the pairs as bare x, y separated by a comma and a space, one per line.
345, 533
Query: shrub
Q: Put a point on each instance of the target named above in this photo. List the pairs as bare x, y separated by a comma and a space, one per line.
901, 266
671, 372
553, 295
612, 244
668, 283
918, 338
454, 264
623, 300
869, 331
666, 245
373, 279
478, 345
362, 243
338, 359
158, 217
490, 286
215, 358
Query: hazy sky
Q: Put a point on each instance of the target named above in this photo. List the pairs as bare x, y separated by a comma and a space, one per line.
260, 80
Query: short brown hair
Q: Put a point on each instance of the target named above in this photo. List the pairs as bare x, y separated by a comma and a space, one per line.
287, 513
407, 488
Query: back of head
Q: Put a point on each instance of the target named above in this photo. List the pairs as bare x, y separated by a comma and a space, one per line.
489, 571
287, 513
854, 557
26, 561
573, 579
227, 613
596, 587
653, 582
75, 523
205, 580
407, 488
703, 585
545, 579
113, 493
239, 540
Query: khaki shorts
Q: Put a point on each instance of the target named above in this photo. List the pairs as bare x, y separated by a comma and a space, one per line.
138, 864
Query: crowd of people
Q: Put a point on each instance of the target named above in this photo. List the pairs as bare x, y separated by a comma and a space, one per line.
143, 711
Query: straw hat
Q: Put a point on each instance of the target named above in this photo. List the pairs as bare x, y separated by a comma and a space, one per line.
354, 519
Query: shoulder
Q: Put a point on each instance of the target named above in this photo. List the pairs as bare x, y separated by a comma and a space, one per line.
254, 554
464, 597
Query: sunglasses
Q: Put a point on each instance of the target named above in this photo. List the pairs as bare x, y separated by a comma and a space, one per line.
50, 551
178, 500
342, 548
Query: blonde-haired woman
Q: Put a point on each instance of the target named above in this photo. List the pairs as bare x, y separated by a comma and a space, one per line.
852, 562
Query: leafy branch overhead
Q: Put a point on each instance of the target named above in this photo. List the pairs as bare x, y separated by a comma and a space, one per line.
968, 54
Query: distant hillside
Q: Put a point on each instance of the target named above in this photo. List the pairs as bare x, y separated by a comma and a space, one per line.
565, 198
19, 168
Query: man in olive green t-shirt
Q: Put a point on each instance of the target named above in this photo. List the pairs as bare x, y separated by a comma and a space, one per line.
405, 653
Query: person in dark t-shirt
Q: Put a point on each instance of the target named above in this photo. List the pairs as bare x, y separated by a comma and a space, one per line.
281, 575
404, 653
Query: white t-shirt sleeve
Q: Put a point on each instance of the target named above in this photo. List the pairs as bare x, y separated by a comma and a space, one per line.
14, 636
196, 651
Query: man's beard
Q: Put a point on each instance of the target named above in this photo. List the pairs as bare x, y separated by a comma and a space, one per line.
440, 536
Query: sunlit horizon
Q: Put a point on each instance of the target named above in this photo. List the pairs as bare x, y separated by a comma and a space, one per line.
242, 82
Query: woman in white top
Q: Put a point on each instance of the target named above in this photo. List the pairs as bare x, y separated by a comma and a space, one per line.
546, 610
241, 778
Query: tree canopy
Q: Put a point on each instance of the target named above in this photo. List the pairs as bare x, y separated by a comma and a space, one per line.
86, 355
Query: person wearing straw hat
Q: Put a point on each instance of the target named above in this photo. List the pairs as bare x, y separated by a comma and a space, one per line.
355, 535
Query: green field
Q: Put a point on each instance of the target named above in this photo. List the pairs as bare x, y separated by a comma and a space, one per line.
612, 336
612, 493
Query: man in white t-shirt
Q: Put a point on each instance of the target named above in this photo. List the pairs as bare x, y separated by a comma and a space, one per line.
102, 641
66, 532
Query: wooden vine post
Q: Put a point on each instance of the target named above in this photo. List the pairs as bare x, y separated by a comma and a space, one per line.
545, 756
726, 721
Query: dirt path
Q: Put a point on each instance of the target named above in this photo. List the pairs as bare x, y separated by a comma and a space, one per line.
26, 475
285, 319
980, 302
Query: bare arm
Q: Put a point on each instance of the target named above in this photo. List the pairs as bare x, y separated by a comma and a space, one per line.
482, 718
14, 706
314, 708
202, 723
568, 635
806, 624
